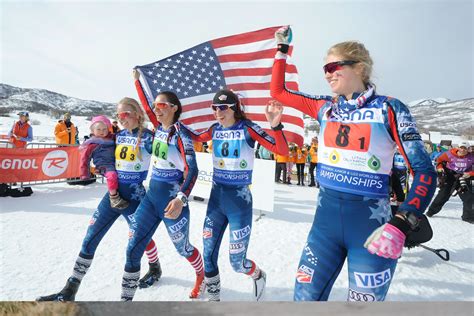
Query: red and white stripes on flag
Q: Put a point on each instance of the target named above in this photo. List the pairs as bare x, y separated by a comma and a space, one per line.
242, 63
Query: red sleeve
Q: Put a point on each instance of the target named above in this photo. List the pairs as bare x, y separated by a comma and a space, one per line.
203, 136
300, 102
146, 106
276, 144
86, 154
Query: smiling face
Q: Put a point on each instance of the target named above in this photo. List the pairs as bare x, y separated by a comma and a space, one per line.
99, 129
127, 116
164, 110
224, 117
346, 79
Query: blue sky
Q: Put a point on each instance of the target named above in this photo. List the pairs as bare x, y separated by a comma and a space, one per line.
421, 49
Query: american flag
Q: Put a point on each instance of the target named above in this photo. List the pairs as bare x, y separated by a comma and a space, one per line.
242, 63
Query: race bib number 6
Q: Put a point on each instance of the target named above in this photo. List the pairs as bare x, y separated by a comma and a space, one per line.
350, 136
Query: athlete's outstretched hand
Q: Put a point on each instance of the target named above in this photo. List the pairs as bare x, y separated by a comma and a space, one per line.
174, 208
136, 74
284, 35
273, 112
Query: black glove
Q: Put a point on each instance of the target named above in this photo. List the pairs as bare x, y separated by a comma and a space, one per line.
421, 234
441, 177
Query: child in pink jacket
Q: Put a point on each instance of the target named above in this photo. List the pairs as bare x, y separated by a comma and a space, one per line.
100, 148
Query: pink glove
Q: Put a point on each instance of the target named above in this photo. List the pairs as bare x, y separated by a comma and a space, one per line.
386, 241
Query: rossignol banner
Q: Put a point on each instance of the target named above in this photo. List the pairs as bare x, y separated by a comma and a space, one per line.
24, 165
262, 181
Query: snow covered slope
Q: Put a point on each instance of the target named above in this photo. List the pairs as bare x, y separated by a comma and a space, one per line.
41, 237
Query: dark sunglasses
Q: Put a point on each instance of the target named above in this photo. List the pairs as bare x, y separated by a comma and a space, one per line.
337, 65
222, 107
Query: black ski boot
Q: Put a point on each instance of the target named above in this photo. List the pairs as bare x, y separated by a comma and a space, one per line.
67, 294
153, 275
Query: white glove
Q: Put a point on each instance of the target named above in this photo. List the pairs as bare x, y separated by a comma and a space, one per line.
284, 35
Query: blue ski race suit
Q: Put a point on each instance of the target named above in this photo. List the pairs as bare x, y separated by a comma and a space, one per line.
357, 141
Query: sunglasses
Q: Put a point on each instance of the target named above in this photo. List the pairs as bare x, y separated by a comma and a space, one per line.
222, 107
163, 105
337, 65
123, 115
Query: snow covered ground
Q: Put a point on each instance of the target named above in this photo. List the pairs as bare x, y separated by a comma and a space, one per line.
41, 236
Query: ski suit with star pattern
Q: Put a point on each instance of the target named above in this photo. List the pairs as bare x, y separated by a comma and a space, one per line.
230, 202
355, 156
174, 169
132, 158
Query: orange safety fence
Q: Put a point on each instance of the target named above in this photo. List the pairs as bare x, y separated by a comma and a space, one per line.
38, 164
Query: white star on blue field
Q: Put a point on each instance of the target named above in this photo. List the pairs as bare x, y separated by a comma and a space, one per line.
245, 194
381, 210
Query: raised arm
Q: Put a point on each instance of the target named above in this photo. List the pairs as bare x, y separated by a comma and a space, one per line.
310, 105
141, 95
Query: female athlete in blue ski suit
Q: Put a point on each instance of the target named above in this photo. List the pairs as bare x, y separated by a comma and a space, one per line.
230, 202
174, 172
132, 157
358, 136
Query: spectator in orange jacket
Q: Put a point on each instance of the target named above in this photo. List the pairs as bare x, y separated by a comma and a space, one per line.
300, 159
198, 147
291, 161
280, 166
65, 131
21, 131
313, 153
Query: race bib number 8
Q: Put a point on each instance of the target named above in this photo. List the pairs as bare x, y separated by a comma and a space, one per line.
160, 150
350, 136
125, 152
226, 149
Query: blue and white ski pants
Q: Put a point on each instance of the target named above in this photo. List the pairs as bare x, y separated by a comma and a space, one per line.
228, 205
342, 223
149, 215
105, 216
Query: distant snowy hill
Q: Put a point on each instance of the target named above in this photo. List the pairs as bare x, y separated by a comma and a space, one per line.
442, 115
432, 115
45, 101
438, 115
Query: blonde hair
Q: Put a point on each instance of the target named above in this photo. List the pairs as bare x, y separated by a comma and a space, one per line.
137, 108
353, 50
141, 119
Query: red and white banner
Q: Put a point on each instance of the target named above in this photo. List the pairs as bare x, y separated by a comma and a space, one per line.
24, 165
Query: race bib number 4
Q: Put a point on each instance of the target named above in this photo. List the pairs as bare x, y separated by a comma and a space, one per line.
227, 149
350, 136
